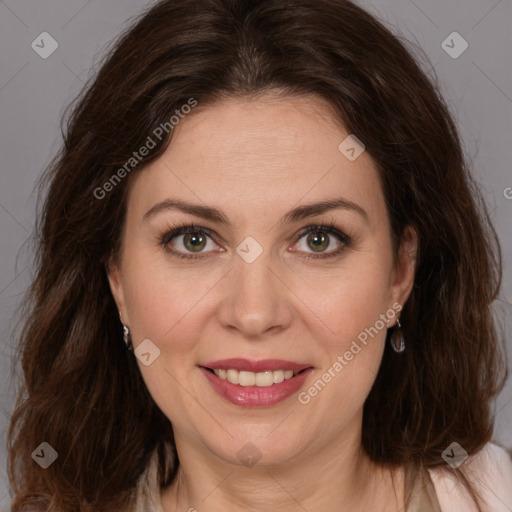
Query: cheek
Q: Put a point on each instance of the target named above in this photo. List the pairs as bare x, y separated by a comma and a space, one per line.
162, 301
353, 351
351, 348
165, 307
345, 301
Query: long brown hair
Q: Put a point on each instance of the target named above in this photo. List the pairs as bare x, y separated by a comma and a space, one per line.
82, 392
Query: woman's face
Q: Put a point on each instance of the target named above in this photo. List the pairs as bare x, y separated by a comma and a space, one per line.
243, 287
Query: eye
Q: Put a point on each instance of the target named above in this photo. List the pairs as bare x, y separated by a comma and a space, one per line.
318, 238
190, 239
191, 242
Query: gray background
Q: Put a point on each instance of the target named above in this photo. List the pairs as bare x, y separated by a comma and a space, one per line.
34, 92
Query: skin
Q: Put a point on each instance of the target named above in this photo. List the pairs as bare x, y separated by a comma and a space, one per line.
256, 159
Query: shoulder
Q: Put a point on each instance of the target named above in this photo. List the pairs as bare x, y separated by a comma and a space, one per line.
489, 470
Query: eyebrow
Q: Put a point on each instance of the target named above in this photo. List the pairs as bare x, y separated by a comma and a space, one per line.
215, 215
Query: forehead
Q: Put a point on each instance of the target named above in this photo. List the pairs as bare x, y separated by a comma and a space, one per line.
268, 136
259, 155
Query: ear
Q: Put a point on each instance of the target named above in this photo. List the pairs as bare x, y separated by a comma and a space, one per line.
404, 271
115, 279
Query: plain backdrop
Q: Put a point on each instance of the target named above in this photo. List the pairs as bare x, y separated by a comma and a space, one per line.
34, 92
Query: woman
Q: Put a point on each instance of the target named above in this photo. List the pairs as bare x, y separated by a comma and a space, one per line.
265, 279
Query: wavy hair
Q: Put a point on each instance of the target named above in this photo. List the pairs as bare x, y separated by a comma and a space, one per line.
82, 392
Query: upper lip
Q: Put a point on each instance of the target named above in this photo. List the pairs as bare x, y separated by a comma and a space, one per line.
247, 365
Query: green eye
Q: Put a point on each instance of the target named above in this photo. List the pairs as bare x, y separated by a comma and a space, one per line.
195, 240
319, 239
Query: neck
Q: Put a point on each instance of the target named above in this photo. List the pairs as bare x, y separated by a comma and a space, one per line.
312, 481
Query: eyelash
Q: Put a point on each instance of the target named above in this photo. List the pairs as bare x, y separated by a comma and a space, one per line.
187, 228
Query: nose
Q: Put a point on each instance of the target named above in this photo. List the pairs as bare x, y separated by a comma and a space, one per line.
255, 299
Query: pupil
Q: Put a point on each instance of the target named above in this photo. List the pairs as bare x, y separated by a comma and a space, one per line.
319, 240
195, 240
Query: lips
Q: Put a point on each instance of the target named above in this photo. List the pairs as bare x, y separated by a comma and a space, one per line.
255, 396
262, 365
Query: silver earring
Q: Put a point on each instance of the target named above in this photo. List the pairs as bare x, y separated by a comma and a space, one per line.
397, 338
126, 337
126, 334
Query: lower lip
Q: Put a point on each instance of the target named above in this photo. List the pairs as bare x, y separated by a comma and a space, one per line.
256, 396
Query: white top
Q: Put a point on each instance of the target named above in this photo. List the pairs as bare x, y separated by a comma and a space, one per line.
490, 470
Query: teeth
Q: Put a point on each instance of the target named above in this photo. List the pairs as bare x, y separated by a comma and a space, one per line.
261, 379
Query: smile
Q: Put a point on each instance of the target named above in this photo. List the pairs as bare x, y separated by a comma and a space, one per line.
261, 379
255, 384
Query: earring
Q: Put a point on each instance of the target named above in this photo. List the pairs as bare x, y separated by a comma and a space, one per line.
397, 338
126, 337
126, 334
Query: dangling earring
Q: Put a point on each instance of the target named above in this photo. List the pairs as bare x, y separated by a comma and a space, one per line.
127, 338
126, 334
397, 338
